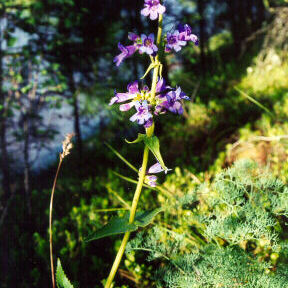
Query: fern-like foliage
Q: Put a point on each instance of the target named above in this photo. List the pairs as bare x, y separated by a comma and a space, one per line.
230, 232
61, 278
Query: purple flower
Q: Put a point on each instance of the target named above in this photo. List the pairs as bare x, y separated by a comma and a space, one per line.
153, 8
133, 90
148, 45
172, 102
185, 34
126, 51
161, 88
136, 39
143, 115
173, 42
151, 180
156, 168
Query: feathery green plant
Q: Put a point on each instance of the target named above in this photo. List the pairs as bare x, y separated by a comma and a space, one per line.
238, 222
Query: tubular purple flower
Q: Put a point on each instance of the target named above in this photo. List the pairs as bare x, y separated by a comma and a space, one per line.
180, 94
126, 51
173, 42
161, 87
135, 38
172, 102
122, 97
148, 45
143, 115
156, 168
153, 8
151, 180
185, 34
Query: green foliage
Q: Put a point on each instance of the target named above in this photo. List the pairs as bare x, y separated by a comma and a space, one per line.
122, 225
154, 146
140, 138
114, 227
144, 218
61, 278
227, 233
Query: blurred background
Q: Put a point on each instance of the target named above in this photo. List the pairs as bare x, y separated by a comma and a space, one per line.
57, 76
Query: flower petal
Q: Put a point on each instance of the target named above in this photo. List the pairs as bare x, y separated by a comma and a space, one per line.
124, 97
133, 87
161, 9
145, 11
127, 106
153, 15
156, 168
148, 123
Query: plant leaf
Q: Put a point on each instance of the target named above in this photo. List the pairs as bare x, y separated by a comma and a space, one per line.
121, 225
154, 146
144, 218
116, 226
253, 100
140, 138
134, 181
122, 158
61, 278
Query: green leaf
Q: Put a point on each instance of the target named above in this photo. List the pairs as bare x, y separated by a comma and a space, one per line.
121, 225
61, 278
154, 146
122, 158
140, 138
253, 100
115, 226
144, 218
128, 179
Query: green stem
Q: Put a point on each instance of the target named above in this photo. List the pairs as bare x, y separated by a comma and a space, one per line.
149, 133
131, 219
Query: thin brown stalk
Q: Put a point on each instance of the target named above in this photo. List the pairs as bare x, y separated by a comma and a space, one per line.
66, 146
50, 222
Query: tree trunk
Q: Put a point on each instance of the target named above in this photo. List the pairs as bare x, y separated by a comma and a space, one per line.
27, 164
77, 127
5, 170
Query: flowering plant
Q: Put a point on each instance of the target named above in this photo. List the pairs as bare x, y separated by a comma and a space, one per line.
149, 103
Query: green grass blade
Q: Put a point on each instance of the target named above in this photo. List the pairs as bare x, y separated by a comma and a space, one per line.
118, 197
253, 100
132, 180
122, 158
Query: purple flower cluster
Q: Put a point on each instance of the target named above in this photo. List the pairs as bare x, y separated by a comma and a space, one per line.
179, 38
145, 44
149, 104
166, 99
153, 8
